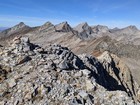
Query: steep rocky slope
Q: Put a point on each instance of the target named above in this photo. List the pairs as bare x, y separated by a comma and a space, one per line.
55, 75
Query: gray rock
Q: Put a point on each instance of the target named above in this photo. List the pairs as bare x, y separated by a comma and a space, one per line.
86, 72
78, 74
23, 59
50, 79
83, 94
64, 65
11, 83
25, 40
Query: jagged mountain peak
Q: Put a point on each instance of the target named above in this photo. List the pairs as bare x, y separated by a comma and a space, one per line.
84, 30
133, 27
45, 27
100, 29
128, 31
114, 29
103, 27
130, 28
65, 23
19, 28
63, 27
82, 26
47, 23
19, 25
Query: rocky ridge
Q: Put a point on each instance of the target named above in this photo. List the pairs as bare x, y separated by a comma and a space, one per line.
32, 75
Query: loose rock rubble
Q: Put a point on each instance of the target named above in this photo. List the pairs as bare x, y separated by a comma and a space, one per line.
31, 75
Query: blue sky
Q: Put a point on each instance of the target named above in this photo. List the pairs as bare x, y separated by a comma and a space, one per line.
119, 13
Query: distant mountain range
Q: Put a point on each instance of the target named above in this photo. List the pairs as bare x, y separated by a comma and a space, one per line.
3, 28
82, 30
118, 41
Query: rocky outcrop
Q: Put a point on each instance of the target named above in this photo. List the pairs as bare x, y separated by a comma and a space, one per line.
55, 75
117, 69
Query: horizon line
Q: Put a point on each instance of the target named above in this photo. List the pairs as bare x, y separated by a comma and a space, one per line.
69, 24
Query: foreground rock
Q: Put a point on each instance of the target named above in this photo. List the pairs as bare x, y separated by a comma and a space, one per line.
31, 75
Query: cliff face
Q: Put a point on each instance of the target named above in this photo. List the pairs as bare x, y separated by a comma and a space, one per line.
55, 75
117, 69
